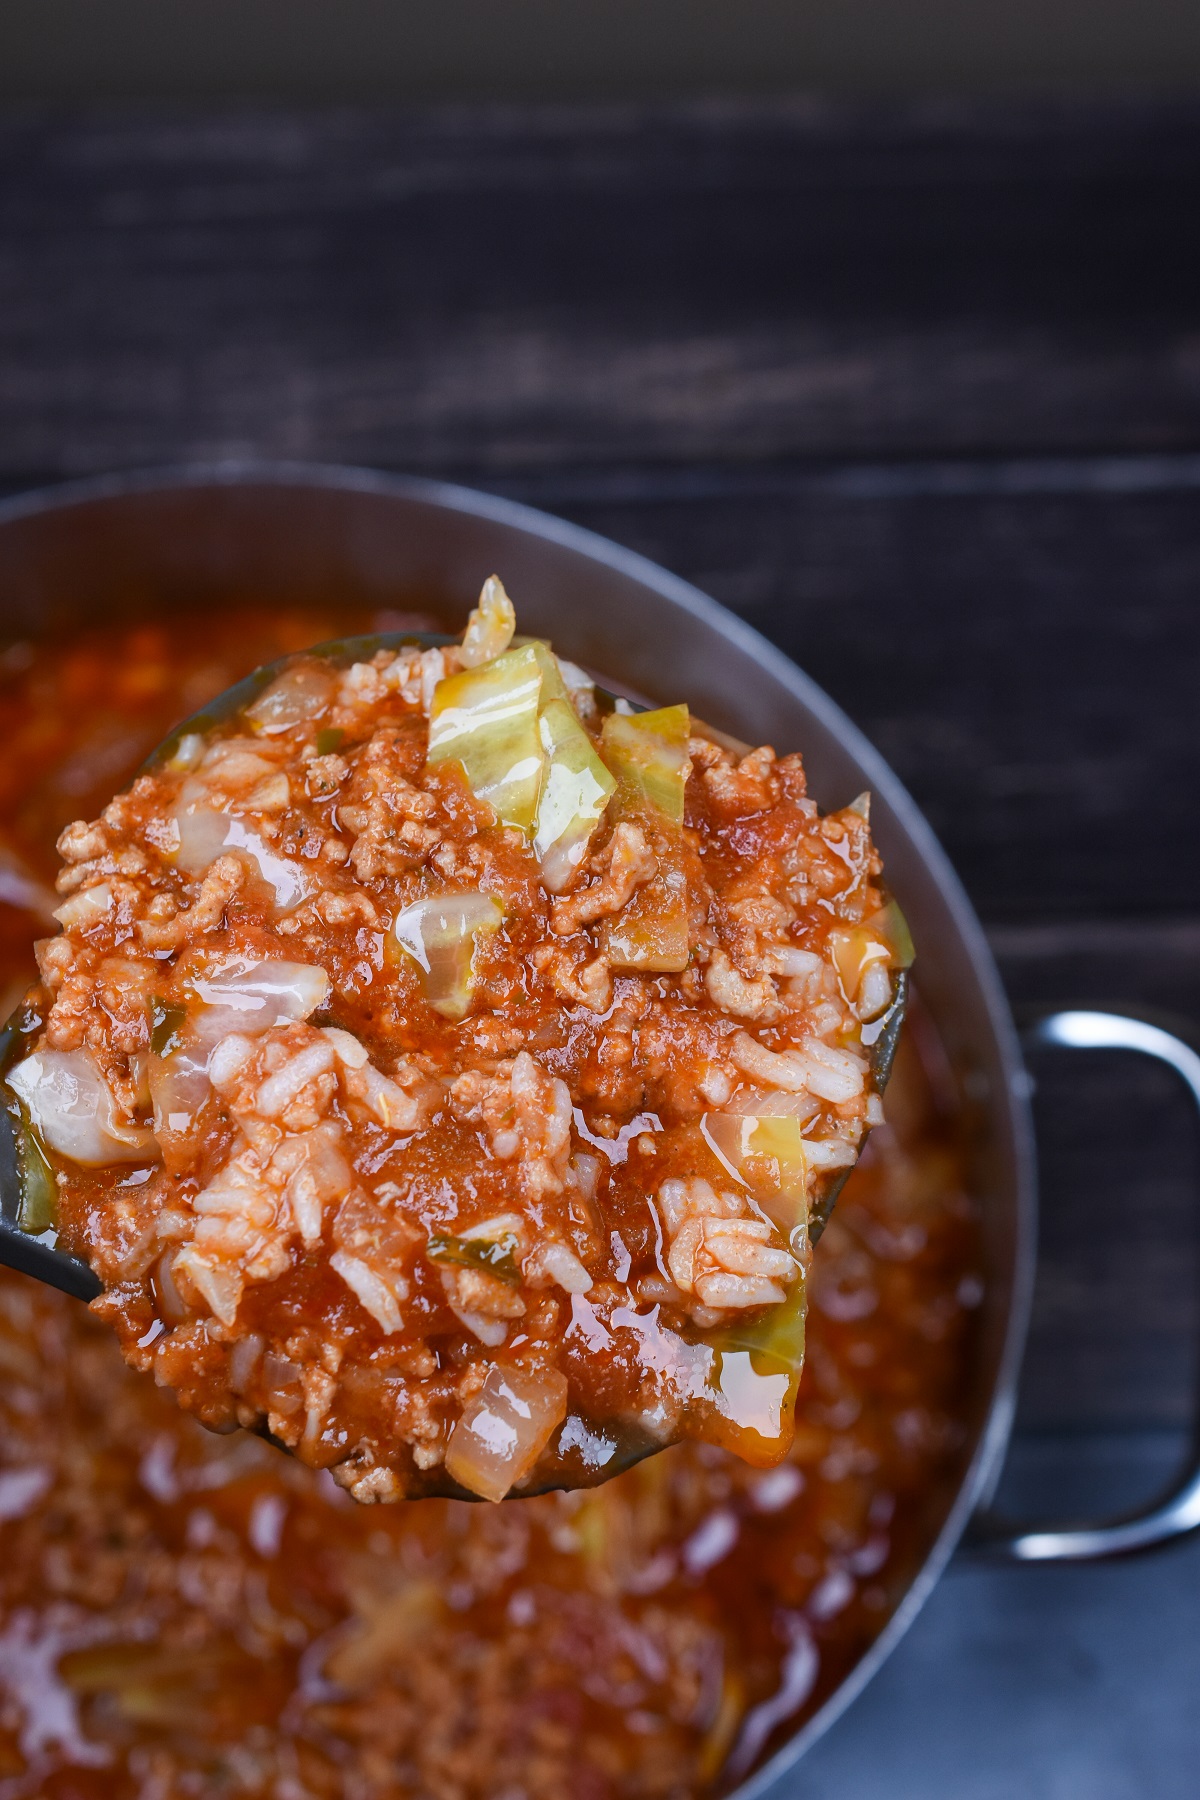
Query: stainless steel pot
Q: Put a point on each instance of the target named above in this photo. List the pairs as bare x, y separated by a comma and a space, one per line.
209, 536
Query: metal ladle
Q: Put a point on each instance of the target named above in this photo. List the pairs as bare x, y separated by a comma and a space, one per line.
38, 1253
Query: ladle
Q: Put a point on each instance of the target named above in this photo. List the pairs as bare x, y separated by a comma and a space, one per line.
39, 1255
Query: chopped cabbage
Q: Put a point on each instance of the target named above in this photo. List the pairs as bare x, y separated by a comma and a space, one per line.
647, 752
576, 792
74, 1111
487, 720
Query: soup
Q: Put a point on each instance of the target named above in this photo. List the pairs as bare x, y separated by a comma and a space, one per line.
189, 1614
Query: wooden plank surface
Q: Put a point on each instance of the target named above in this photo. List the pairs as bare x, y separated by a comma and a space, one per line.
499, 290
1024, 652
917, 394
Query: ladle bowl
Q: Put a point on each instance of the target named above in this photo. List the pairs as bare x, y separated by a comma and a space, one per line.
41, 1255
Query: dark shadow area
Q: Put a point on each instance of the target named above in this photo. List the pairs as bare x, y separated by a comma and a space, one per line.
359, 50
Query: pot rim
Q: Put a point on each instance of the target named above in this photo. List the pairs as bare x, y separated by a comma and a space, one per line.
1011, 1104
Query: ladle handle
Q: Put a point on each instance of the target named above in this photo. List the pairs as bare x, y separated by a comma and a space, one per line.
1175, 1513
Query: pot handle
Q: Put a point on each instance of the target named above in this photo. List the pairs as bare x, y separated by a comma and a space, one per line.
1175, 1513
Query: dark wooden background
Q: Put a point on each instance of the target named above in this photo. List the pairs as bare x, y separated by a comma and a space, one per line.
918, 394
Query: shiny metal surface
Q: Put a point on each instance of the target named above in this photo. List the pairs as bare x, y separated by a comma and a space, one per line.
1176, 1512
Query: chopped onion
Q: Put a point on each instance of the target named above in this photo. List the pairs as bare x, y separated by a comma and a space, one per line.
204, 833
286, 879
179, 1088
232, 764
85, 908
301, 693
74, 1111
505, 1428
490, 627
439, 934
246, 996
